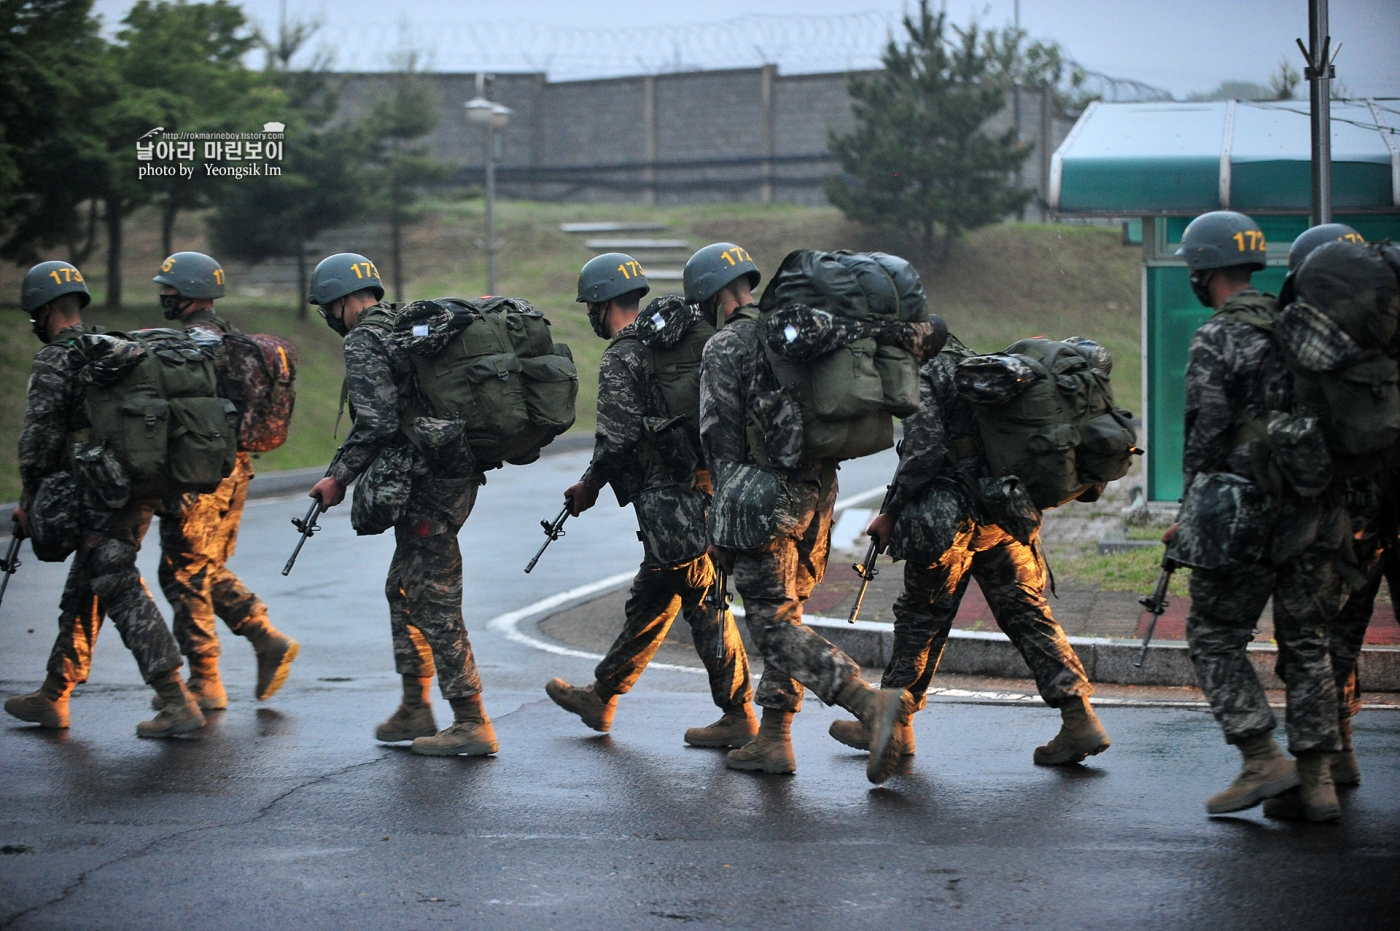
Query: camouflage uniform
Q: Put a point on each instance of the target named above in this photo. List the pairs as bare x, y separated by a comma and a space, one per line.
941, 444
424, 585
1371, 507
1235, 377
735, 378
626, 457
103, 578
197, 538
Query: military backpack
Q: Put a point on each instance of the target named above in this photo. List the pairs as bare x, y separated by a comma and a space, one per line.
159, 427
488, 372
260, 380
848, 396
1046, 415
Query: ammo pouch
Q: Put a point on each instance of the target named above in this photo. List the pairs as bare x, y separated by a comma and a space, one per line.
54, 523
96, 466
382, 493
753, 508
1226, 519
1007, 503
929, 524
443, 444
671, 522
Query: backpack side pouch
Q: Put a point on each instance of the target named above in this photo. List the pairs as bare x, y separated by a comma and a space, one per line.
54, 521
1225, 520
929, 524
382, 492
753, 508
671, 518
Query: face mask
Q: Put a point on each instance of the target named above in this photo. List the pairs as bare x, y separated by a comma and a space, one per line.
595, 320
1200, 286
335, 323
38, 325
171, 305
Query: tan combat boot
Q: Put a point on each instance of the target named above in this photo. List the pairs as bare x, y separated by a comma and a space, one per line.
1081, 735
414, 717
1266, 773
204, 684
179, 711
596, 712
1345, 771
47, 707
275, 652
471, 733
883, 712
770, 751
853, 734
735, 728
1315, 799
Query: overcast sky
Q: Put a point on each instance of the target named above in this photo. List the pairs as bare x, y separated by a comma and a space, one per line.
1182, 46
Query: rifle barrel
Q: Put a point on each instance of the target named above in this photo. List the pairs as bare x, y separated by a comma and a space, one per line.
1157, 604
308, 526
11, 561
552, 532
867, 572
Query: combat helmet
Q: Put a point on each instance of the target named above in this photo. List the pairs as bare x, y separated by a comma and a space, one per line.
49, 280
1221, 239
713, 267
605, 277
341, 274
1309, 240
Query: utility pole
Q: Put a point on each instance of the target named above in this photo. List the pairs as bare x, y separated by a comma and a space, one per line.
1318, 58
492, 117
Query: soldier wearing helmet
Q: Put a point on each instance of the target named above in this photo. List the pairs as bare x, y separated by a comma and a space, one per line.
1249, 536
198, 532
424, 585
103, 579
648, 450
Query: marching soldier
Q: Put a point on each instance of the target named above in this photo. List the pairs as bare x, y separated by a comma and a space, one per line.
198, 532
941, 447
648, 450
103, 578
424, 587
1235, 380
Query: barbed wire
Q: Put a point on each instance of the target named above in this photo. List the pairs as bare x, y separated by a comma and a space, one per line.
796, 44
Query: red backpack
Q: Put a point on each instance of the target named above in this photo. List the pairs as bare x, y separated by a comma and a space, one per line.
260, 381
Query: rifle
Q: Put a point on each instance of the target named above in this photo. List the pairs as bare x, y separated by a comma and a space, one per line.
866, 569
11, 562
552, 532
308, 526
717, 599
1157, 604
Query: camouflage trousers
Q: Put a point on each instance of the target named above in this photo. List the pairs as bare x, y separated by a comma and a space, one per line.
657, 596
1346, 634
424, 588
197, 538
1225, 607
103, 580
774, 585
1012, 577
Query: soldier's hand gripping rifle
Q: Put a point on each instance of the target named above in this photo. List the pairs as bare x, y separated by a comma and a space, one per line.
11, 562
552, 532
1157, 604
308, 526
866, 569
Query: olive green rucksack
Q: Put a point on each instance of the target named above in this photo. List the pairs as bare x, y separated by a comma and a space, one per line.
156, 409
1046, 415
503, 377
848, 397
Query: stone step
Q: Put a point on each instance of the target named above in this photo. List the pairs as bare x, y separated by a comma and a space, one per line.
610, 227
637, 244
666, 274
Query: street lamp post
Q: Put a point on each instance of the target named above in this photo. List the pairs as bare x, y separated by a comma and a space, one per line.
492, 117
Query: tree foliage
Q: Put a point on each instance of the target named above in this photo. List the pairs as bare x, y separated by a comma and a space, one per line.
921, 160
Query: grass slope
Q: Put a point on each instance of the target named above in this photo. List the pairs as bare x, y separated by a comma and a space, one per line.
1002, 283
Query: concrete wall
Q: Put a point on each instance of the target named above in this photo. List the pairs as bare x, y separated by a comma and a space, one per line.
744, 134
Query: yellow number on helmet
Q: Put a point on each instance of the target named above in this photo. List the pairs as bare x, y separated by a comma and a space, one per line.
168, 264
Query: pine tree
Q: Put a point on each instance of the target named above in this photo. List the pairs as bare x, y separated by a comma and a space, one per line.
920, 160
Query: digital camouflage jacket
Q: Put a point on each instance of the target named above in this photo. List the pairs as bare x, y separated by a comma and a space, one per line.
941, 437
1234, 375
628, 394
54, 409
735, 378
208, 329
379, 386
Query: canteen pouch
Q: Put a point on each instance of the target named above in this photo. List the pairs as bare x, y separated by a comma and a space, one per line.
1225, 520
752, 508
382, 492
671, 521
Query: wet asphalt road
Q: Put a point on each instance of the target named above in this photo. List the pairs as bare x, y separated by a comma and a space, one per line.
287, 814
